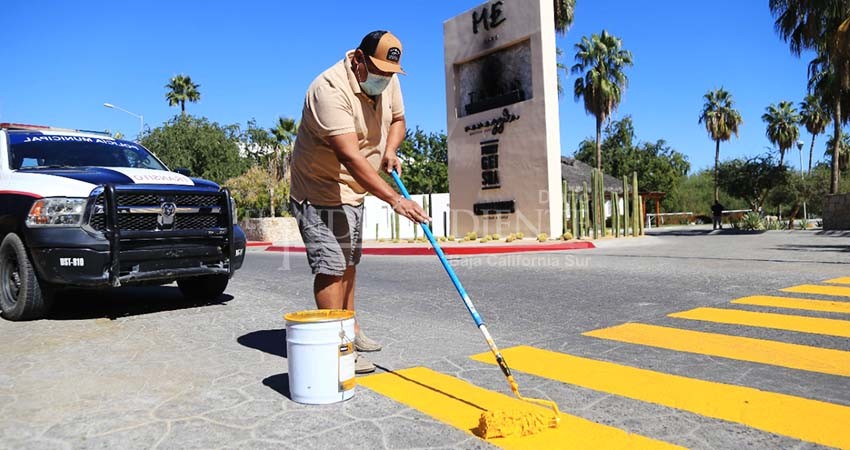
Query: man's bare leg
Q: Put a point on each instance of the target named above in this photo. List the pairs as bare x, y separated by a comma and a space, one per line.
348, 282
329, 291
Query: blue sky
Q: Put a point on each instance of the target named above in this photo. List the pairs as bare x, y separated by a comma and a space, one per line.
64, 59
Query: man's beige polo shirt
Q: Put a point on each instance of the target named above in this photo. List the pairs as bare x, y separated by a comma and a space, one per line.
334, 105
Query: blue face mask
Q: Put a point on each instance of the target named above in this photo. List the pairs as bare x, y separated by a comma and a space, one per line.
375, 84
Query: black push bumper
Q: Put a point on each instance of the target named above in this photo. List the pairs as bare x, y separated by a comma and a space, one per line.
76, 257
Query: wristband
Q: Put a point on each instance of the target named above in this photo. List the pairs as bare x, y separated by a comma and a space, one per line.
397, 202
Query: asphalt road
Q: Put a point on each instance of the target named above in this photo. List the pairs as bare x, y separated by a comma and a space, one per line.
140, 368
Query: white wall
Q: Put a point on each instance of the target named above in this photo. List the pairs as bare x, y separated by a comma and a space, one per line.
377, 214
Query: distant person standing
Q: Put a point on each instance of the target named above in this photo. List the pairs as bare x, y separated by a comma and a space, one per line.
352, 123
717, 214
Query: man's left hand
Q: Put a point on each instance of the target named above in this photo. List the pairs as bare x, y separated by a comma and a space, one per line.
390, 162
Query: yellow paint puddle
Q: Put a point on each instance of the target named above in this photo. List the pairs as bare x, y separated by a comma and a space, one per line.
802, 324
793, 356
838, 291
795, 417
807, 304
459, 404
840, 280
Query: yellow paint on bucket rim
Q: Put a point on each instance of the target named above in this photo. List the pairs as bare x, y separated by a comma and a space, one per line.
319, 315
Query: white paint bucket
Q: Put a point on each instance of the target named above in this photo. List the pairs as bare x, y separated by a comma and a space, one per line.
320, 353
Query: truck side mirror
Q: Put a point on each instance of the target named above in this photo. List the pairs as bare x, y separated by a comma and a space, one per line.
183, 171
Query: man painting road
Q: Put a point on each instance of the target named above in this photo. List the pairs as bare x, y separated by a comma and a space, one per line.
352, 123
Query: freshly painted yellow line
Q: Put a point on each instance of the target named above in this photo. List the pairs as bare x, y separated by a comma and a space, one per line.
795, 303
841, 280
838, 291
796, 417
803, 324
794, 356
459, 404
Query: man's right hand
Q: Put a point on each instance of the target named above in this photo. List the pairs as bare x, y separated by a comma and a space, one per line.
411, 210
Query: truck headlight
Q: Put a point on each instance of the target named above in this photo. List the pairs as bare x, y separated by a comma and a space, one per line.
57, 212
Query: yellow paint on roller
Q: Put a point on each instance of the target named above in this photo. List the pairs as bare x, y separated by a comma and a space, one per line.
460, 404
840, 280
802, 324
796, 417
838, 291
807, 304
793, 356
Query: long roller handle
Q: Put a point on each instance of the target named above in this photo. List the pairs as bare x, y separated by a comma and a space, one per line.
460, 290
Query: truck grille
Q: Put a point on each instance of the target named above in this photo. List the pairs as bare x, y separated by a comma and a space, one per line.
140, 211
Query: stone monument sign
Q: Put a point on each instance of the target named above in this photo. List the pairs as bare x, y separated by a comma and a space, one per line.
502, 108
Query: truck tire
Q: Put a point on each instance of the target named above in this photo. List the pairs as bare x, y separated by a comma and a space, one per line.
206, 287
22, 295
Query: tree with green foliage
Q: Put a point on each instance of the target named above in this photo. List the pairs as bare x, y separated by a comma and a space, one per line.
824, 27
284, 133
600, 62
181, 89
782, 130
721, 121
425, 159
206, 148
843, 150
752, 179
564, 15
815, 118
659, 167
261, 147
253, 196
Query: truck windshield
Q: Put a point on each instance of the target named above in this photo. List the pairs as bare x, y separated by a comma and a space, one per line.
32, 150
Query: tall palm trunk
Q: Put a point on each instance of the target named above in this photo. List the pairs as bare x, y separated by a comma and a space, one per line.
716, 170
183, 107
781, 156
598, 142
836, 120
811, 153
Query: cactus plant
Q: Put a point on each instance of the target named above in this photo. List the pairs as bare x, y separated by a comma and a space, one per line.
637, 216
542, 237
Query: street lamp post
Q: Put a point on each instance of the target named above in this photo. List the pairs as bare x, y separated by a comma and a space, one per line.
802, 175
141, 118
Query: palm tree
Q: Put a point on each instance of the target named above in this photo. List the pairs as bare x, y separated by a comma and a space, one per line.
721, 121
180, 90
815, 118
284, 133
600, 61
843, 150
564, 13
822, 26
782, 128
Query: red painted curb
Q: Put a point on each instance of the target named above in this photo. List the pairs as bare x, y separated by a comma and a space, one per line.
258, 244
483, 250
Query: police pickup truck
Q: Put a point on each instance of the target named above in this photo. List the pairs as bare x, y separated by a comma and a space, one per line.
81, 209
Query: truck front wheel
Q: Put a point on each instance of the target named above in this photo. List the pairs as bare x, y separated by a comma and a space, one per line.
22, 296
206, 287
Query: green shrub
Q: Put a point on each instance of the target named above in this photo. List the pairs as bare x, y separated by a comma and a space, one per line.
520, 235
542, 237
751, 222
567, 236
250, 191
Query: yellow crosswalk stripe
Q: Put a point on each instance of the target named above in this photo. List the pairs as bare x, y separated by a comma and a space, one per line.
459, 404
795, 417
840, 280
838, 291
803, 324
793, 356
807, 304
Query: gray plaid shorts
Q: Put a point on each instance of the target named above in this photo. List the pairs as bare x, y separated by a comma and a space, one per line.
333, 235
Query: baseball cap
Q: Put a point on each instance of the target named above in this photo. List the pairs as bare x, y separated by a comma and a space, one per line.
384, 50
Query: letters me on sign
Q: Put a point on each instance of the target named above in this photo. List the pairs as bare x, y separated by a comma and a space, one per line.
490, 17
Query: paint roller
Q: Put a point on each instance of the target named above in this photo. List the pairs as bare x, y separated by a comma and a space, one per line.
499, 423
